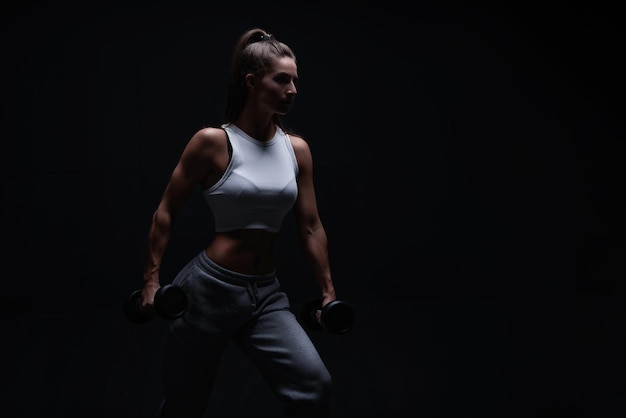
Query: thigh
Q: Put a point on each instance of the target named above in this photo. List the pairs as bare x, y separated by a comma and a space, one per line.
283, 353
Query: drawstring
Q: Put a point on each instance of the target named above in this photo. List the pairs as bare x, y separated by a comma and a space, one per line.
253, 292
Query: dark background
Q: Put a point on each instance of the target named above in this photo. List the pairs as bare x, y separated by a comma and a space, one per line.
469, 170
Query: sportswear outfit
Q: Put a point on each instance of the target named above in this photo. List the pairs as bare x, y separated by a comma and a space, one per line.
256, 191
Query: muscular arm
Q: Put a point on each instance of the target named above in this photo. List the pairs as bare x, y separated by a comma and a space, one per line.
193, 168
311, 231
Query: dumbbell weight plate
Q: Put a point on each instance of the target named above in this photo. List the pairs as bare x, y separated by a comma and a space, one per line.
132, 310
170, 301
337, 317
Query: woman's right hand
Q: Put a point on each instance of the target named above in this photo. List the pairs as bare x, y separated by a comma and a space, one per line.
147, 296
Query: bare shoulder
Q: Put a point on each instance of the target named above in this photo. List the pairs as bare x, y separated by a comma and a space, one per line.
299, 144
206, 148
302, 151
205, 154
209, 137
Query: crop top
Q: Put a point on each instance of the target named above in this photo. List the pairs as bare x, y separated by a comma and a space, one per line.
259, 185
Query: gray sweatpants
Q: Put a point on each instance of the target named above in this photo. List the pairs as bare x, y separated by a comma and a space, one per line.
254, 313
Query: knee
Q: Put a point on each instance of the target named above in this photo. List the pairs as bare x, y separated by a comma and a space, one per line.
325, 383
320, 388
313, 399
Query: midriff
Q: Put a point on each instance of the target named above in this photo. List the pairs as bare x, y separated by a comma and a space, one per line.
247, 251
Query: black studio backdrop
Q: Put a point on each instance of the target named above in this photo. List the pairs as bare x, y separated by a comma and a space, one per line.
469, 170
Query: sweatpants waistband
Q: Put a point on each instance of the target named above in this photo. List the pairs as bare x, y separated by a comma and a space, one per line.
233, 277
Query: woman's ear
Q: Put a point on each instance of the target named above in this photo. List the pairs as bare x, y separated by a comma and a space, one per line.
250, 81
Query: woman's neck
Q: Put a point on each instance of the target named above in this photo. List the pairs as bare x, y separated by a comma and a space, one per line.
258, 127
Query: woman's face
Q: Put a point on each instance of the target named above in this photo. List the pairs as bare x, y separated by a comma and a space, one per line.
276, 89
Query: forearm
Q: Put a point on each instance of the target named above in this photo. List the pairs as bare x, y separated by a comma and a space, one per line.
158, 238
315, 245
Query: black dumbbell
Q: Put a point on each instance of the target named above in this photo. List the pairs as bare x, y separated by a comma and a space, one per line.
170, 302
337, 317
